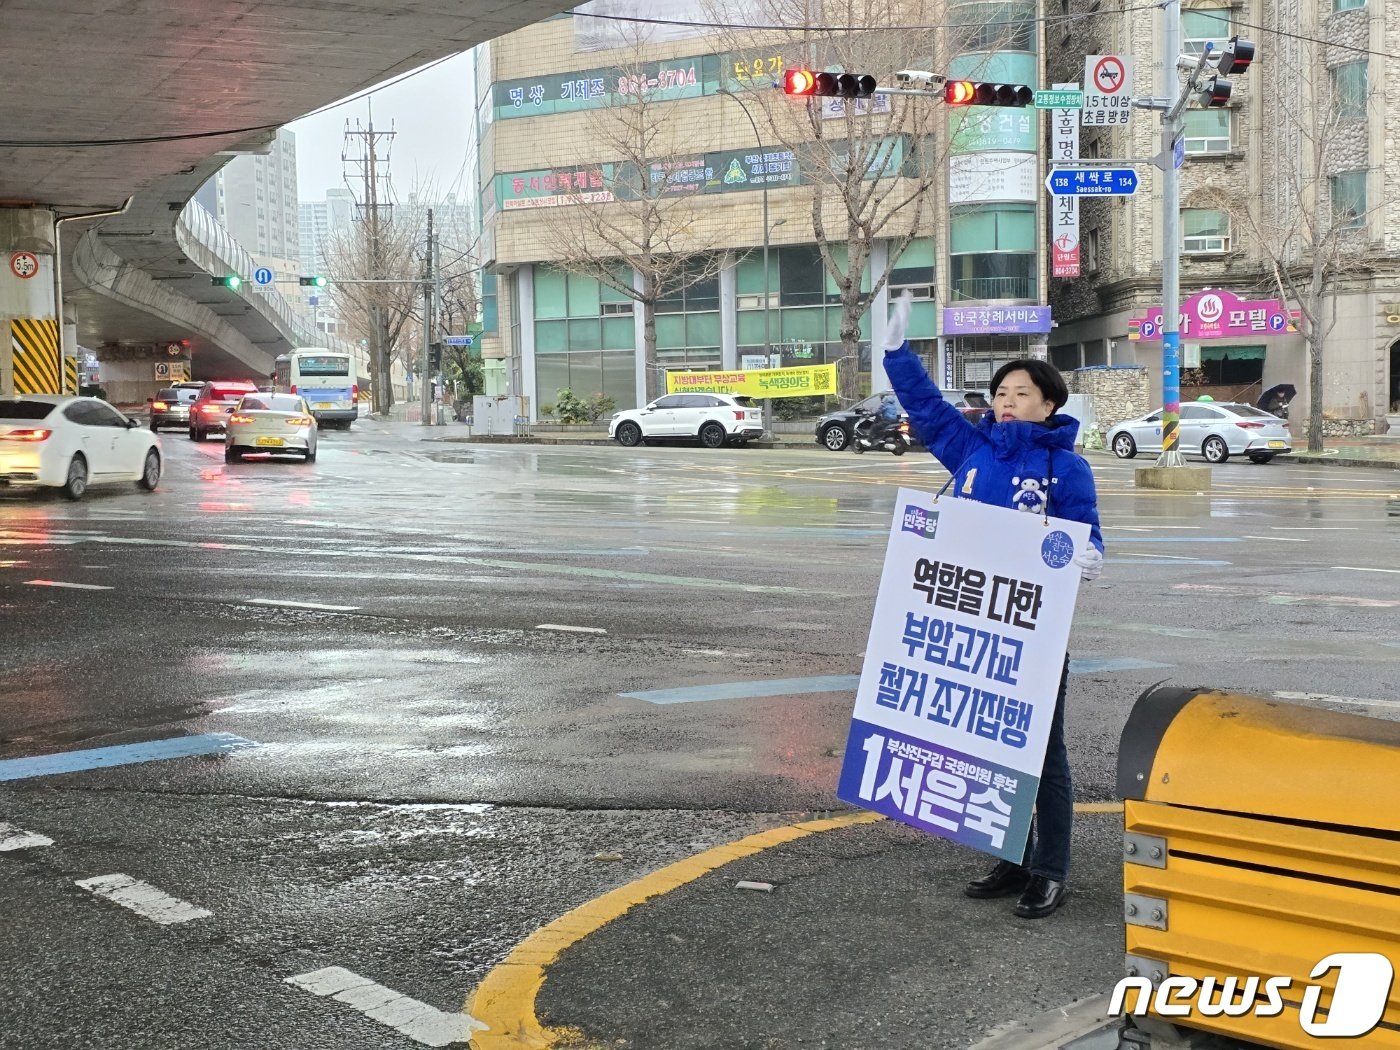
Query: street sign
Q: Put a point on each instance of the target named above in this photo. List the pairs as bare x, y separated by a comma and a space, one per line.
459, 340
1092, 182
750, 362
1058, 100
24, 265
1108, 89
263, 276
1179, 151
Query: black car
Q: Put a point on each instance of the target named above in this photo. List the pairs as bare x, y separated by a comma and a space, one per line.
834, 428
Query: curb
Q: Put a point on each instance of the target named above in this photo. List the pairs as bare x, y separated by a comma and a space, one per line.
1339, 461
1054, 1029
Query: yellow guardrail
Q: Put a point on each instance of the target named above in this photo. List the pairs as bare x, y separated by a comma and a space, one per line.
1261, 853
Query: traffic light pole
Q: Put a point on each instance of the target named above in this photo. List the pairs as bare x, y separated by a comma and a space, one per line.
425, 382
1171, 244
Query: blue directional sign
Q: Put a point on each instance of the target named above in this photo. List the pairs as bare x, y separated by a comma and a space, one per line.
263, 276
1090, 182
458, 340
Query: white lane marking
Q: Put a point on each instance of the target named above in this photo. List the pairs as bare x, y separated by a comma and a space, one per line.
143, 898
1337, 699
1154, 557
301, 605
566, 627
1279, 539
11, 564
420, 1022
1315, 528
1150, 528
12, 838
69, 586
1359, 568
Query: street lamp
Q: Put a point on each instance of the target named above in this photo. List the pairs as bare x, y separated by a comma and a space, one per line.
758, 139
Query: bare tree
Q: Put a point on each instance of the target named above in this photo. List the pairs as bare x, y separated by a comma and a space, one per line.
1309, 224
869, 168
640, 232
387, 249
459, 305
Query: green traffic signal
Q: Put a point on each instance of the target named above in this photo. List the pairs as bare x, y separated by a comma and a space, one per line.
230, 281
313, 282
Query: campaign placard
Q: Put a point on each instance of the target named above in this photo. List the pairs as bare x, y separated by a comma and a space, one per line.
963, 665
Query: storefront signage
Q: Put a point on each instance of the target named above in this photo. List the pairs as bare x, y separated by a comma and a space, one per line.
1218, 314
996, 320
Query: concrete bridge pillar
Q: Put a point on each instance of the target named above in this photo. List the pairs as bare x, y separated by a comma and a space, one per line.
31, 360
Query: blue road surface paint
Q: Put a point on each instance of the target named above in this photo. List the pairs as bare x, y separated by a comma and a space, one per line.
121, 755
840, 683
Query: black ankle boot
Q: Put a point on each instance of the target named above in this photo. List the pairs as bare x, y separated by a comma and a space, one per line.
1005, 880
1042, 897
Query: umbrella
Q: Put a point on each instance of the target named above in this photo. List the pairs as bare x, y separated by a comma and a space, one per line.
1278, 396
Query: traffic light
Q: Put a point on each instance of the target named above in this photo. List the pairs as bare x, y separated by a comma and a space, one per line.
435, 358
230, 281
832, 85
977, 93
313, 282
1215, 91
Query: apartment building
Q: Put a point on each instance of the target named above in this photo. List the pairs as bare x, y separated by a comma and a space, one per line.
1301, 164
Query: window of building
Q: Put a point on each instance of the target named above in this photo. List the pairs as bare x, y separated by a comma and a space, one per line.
1204, 230
914, 270
1347, 5
1349, 90
801, 276
1089, 257
1349, 199
992, 250
994, 27
1208, 130
691, 292
1204, 25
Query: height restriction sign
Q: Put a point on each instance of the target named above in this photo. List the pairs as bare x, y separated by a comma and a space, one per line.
1108, 89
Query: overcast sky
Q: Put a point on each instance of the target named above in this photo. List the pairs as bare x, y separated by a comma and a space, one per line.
431, 112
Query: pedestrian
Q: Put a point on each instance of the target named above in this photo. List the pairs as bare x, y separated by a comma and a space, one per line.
1021, 455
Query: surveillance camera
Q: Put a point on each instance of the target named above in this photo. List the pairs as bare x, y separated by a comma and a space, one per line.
907, 77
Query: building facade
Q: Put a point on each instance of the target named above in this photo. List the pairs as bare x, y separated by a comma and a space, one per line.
762, 288
1300, 165
255, 197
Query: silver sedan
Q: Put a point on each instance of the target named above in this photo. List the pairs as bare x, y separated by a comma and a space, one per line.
270, 423
1214, 430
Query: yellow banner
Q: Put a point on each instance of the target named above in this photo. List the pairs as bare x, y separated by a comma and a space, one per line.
813, 381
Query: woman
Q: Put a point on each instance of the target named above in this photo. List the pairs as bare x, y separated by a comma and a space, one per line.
1020, 456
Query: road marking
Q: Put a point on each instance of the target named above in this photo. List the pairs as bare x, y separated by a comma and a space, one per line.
1289, 597
418, 1021
1279, 539
505, 999
70, 586
12, 838
1315, 528
566, 627
1162, 559
275, 603
1096, 665
11, 564
1358, 568
1178, 539
144, 899
121, 755
1338, 699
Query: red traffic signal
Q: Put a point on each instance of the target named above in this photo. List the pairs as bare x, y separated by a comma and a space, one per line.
978, 93
1215, 93
832, 85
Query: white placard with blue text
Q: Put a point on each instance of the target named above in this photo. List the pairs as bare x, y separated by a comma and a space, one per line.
962, 668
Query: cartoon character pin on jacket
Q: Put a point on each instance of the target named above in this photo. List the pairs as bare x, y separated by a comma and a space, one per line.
1005, 464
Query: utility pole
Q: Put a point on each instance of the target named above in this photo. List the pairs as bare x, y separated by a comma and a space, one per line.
1172, 125
425, 381
369, 160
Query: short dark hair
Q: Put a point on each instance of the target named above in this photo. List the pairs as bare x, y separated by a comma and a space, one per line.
1044, 375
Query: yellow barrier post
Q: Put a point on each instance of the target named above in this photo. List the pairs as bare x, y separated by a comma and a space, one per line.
1261, 854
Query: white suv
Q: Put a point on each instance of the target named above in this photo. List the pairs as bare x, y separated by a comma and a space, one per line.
714, 419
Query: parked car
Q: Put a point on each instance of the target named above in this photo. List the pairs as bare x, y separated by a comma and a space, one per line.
1215, 430
713, 419
834, 429
171, 407
209, 411
270, 423
69, 443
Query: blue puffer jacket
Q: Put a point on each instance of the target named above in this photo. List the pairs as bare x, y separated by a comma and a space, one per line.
1005, 464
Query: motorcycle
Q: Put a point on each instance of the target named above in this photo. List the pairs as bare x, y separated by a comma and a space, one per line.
894, 440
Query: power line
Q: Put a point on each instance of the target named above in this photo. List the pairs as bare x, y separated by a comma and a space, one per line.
1012, 23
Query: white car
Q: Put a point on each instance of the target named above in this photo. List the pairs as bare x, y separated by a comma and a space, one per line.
270, 423
713, 419
70, 443
1215, 430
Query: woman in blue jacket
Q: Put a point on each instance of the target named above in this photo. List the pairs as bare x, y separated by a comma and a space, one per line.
1021, 455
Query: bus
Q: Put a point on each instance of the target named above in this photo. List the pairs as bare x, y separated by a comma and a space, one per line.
326, 379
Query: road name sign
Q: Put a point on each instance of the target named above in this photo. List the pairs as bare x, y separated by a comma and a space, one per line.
459, 340
1092, 182
1059, 100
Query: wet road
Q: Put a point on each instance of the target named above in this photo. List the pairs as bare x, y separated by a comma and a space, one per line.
417, 771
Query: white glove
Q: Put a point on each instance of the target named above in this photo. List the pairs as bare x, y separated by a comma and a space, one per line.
1090, 562
898, 323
